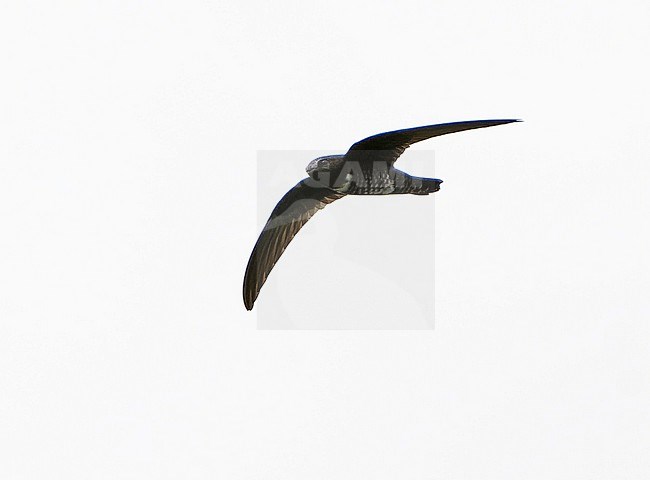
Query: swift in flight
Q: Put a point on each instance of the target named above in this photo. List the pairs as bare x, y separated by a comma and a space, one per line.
366, 169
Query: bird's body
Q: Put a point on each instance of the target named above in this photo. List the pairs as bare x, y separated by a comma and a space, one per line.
352, 177
366, 169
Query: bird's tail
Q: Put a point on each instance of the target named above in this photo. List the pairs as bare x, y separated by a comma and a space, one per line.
416, 185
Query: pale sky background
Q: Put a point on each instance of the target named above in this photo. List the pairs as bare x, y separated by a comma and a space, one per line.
130, 133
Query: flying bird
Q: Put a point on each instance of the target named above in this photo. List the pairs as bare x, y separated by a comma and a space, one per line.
366, 169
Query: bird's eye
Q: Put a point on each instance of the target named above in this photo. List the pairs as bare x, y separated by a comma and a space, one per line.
324, 164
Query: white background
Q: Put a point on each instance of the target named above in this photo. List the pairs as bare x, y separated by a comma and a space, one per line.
129, 133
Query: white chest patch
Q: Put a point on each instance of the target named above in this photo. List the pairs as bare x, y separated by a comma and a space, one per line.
348, 182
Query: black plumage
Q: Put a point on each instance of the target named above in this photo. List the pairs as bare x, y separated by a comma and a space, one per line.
366, 169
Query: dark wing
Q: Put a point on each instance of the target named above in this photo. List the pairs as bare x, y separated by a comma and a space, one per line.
294, 210
390, 145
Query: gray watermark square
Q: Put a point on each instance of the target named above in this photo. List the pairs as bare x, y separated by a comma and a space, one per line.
364, 262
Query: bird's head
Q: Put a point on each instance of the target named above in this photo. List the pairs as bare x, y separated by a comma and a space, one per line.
323, 168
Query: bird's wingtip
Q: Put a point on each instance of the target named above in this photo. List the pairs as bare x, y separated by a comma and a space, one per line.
503, 121
248, 301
